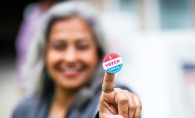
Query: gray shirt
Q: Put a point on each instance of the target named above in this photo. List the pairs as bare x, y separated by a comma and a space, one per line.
34, 107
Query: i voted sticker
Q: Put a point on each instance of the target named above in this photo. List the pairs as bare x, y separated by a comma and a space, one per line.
112, 63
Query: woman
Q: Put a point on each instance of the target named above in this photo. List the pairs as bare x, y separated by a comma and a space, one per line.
65, 70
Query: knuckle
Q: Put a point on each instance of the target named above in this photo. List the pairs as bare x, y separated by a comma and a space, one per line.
123, 100
133, 107
118, 89
124, 114
136, 115
139, 106
118, 92
131, 94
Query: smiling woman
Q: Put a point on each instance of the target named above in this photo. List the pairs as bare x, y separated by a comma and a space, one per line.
65, 72
71, 54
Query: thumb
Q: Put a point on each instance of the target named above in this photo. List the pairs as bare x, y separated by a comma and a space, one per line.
112, 116
118, 116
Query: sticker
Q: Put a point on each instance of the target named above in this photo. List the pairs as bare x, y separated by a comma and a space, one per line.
112, 63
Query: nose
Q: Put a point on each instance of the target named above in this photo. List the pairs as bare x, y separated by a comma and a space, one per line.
70, 55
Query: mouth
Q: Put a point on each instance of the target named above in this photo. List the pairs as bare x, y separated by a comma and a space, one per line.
71, 73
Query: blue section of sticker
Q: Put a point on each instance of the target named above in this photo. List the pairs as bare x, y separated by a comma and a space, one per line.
114, 69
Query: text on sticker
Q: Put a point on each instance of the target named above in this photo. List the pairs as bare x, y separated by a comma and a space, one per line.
112, 63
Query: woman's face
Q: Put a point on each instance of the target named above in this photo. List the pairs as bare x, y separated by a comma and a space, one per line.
71, 53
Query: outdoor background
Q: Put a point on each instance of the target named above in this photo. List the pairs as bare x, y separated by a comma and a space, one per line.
155, 38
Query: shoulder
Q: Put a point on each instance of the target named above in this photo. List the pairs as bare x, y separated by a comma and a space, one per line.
25, 106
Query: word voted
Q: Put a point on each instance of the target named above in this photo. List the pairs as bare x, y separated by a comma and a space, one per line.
112, 63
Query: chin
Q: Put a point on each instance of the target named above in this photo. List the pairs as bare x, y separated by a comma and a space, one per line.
73, 84
71, 87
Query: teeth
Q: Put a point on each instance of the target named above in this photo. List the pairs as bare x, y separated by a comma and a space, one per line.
70, 70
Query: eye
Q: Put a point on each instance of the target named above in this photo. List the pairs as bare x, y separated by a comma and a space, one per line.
82, 46
59, 47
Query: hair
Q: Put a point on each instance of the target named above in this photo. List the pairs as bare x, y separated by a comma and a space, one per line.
35, 63
100, 52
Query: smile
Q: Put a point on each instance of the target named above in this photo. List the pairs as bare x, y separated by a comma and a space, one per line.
71, 73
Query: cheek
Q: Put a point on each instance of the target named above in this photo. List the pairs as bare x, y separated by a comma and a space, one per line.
52, 59
90, 58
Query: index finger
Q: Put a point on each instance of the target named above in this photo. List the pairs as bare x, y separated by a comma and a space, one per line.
108, 81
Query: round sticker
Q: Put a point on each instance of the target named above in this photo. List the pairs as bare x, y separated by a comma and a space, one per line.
112, 63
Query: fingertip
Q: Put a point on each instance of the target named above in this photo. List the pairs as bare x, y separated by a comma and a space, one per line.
109, 76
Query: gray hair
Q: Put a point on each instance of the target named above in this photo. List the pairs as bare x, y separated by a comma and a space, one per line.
35, 63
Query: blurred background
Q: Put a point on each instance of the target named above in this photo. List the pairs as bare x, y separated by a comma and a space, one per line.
155, 38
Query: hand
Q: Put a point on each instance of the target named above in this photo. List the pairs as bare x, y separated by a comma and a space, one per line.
118, 103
